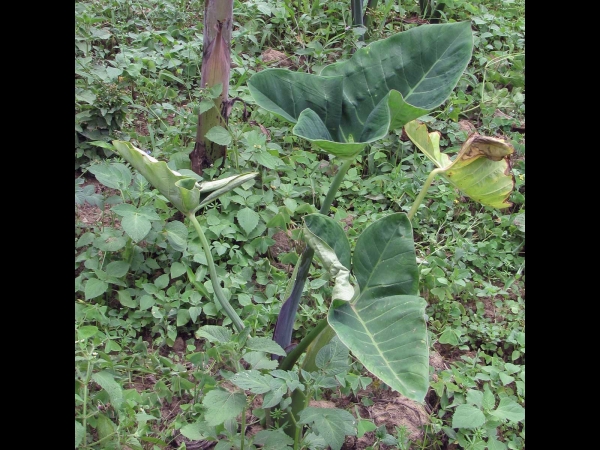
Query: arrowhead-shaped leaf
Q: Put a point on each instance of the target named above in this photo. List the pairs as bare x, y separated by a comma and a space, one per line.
480, 169
384, 327
381, 87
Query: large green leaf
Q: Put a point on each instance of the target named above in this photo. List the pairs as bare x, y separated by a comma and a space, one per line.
381, 87
384, 326
480, 169
186, 194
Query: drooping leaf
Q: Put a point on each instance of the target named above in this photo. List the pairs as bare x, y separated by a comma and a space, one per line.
184, 191
342, 289
223, 185
381, 87
332, 233
222, 405
332, 424
384, 327
480, 169
180, 190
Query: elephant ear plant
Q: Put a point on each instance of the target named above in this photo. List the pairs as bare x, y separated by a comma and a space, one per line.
356, 102
188, 196
349, 105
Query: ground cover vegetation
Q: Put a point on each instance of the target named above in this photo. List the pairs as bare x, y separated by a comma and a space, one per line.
181, 340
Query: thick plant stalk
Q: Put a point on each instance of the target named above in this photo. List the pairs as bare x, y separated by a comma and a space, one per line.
285, 320
216, 66
423, 192
237, 322
368, 18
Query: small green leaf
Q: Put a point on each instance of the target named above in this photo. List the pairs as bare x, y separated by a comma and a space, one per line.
222, 405
274, 396
177, 269
259, 360
248, 219
251, 380
489, 401
146, 301
273, 439
219, 135
94, 288
136, 226
79, 433
194, 312
509, 410
197, 431
364, 426
506, 379
114, 176
266, 159
177, 234
467, 416
86, 331
205, 105
107, 381
495, 444
214, 333
124, 209
162, 281
183, 317
104, 426
265, 344
333, 425
117, 269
